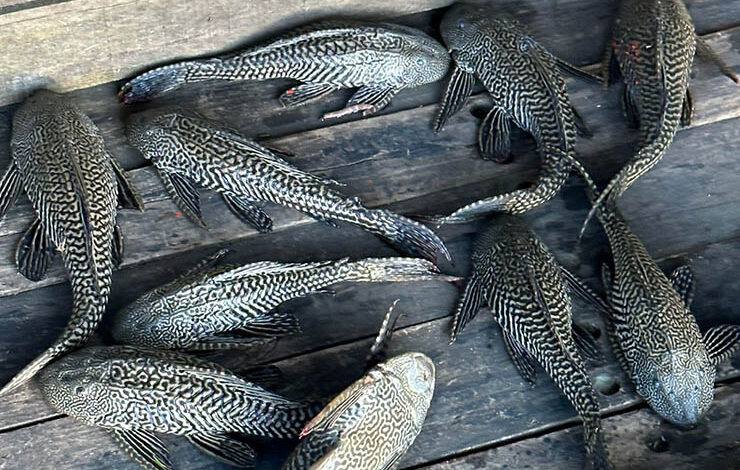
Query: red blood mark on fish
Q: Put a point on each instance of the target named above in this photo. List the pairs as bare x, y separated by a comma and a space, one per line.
178, 214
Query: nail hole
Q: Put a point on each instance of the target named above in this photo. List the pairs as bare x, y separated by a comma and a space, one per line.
606, 384
658, 444
479, 112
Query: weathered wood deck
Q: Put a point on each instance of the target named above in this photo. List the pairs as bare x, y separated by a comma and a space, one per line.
483, 415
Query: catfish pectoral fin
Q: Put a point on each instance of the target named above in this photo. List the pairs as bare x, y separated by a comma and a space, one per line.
368, 100
706, 50
305, 93
248, 212
128, 195
34, 252
10, 188
458, 90
144, 447
722, 342
184, 194
494, 136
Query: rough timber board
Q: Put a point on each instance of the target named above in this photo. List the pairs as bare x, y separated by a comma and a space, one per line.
479, 401
395, 157
637, 441
81, 43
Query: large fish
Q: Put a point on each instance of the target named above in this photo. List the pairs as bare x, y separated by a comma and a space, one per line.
372, 423
135, 393
653, 333
233, 306
380, 59
653, 46
524, 82
187, 150
59, 160
517, 277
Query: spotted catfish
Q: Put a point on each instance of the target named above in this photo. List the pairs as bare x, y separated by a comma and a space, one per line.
232, 306
653, 333
187, 150
517, 277
524, 82
380, 59
59, 160
135, 393
653, 47
371, 424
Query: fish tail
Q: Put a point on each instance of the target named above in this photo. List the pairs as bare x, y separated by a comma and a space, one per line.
405, 234
395, 270
596, 450
161, 80
86, 315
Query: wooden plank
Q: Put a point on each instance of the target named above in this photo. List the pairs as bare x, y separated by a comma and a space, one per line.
479, 401
81, 43
637, 440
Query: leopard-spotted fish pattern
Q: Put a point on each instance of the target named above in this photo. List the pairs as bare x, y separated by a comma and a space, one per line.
221, 160
525, 85
128, 388
653, 332
653, 45
517, 277
68, 176
206, 303
382, 56
377, 418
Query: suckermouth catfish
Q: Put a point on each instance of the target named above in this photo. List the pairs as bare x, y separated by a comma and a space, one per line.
372, 423
653, 45
232, 306
134, 393
653, 333
380, 59
187, 150
520, 281
524, 82
59, 160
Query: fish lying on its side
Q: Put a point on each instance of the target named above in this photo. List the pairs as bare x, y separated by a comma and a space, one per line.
380, 59
653, 333
372, 423
74, 184
517, 277
524, 82
135, 393
187, 150
232, 306
653, 46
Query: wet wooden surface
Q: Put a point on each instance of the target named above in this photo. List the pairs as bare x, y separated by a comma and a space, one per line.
483, 415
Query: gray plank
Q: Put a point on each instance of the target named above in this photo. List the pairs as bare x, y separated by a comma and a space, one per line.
396, 157
637, 440
479, 401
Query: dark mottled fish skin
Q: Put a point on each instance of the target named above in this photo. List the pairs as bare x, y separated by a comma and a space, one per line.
229, 306
527, 89
653, 47
60, 162
517, 277
653, 333
382, 59
198, 151
141, 392
371, 424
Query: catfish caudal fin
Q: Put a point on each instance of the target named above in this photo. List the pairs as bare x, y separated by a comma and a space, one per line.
161, 80
395, 270
405, 234
31, 369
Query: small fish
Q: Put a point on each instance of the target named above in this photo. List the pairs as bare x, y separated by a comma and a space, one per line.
380, 60
59, 160
232, 306
527, 89
134, 393
517, 277
371, 424
187, 150
653, 46
653, 333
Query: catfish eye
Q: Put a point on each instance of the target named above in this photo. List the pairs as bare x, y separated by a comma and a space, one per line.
79, 390
461, 24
